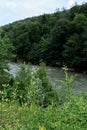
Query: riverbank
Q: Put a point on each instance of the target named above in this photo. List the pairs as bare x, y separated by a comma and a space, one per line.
56, 67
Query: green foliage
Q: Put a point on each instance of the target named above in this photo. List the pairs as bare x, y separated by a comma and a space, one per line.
71, 115
78, 9
48, 94
65, 88
58, 39
6, 50
26, 86
59, 35
31, 86
74, 53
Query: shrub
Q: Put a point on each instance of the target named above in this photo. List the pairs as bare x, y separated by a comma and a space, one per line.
65, 92
33, 86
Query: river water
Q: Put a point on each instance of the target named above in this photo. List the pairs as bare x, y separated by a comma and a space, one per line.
79, 84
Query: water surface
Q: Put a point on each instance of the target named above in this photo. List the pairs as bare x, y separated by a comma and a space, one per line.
79, 85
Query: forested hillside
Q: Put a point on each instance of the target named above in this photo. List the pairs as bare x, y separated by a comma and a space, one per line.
57, 39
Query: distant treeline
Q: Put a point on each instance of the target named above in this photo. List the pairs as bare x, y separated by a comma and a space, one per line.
57, 39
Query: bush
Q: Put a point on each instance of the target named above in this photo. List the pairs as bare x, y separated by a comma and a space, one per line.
65, 92
32, 86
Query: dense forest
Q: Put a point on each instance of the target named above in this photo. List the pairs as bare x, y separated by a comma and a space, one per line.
57, 39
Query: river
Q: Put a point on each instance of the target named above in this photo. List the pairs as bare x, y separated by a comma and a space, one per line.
79, 84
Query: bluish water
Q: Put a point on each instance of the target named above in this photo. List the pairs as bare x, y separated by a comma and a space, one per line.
79, 84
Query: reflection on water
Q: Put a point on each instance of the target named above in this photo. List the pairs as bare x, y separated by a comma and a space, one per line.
79, 85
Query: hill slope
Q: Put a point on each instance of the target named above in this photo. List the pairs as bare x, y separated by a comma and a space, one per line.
58, 39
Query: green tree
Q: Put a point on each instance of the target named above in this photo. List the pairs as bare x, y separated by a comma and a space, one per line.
59, 36
48, 95
35, 32
76, 45
5, 55
74, 10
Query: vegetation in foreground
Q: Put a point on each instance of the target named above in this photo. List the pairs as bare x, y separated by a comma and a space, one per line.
72, 116
31, 104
